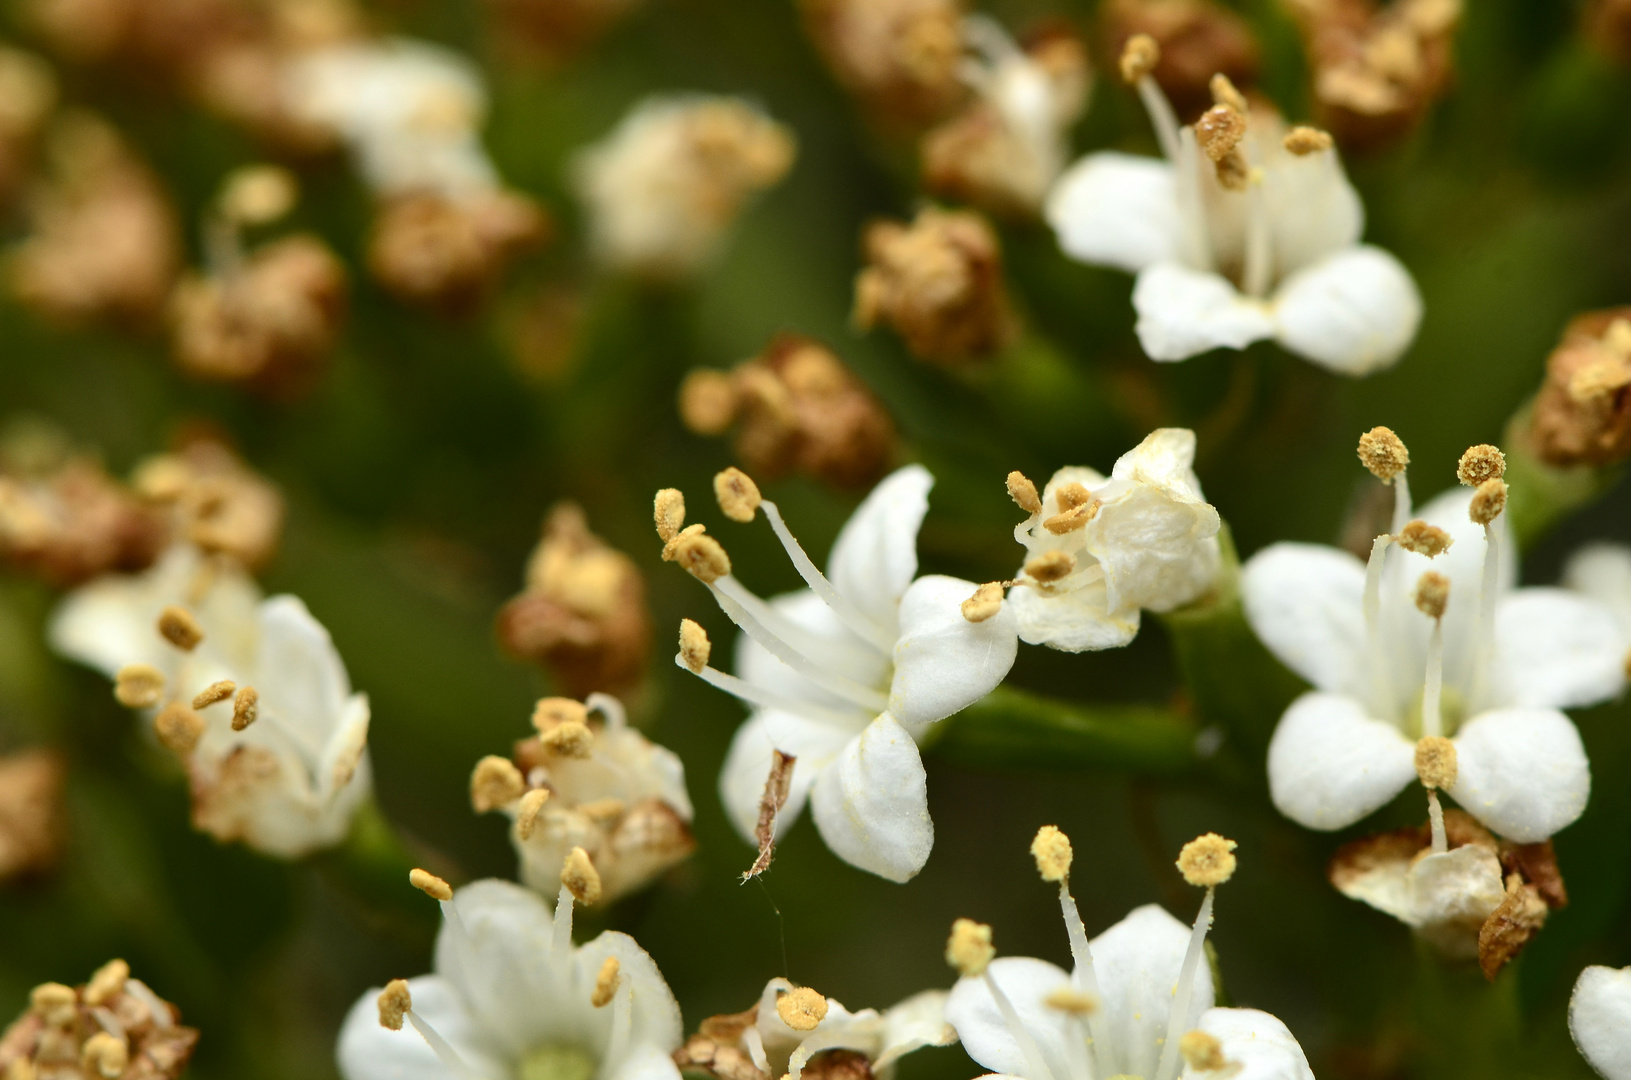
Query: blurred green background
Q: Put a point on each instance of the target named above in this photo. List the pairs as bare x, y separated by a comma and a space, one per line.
418, 472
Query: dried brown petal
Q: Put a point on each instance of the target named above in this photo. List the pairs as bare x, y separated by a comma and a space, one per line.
449, 254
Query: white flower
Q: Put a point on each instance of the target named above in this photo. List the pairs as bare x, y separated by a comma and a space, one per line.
1144, 538
848, 674
1274, 254
514, 999
288, 783
1603, 572
1446, 897
661, 189
1508, 660
408, 110
1600, 1020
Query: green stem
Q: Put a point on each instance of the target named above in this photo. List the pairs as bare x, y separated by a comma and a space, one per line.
1468, 1025
1016, 728
1541, 495
371, 868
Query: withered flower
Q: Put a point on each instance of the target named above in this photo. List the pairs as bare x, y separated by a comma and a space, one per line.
1583, 413
554, 29
28, 93
31, 813
215, 501
1197, 39
103, 242
1377, 69
900, 58
74, 522
449, 253
582, 613
796, 408
113, 1026
938, 283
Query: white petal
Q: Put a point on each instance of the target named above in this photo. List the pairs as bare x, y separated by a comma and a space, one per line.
1305, 602
1603, 572
943, 662
1600, 1020
1330, 764
1354, 312
1452, 895
367, 1050
872, 804
824, 641
1557, 648
1138, 962
1313, 210
1077, 621
1155, 535
874, 558
918, 1021
654, 1016
747, 764
1183, 313
1256, 1046
1522, 772
644, 1062
502, 966
1026, 983
1116, 210
303, 679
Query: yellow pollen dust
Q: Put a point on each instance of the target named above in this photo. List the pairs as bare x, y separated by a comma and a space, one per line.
1488, 501
214, 692
986, 602
569, 740
969, 948
1072, 495
1424, 539
1224, 92
178, 728
1480, 463
495, 782
738, 495
1436, 762
1139, 57
109, 981
138, 686
429, 884
1302, 141
695, 648
668, 510
1432, 594
179, 628
245, 707
702, 557
1050, 566
105, 1054
551, 712
1202, 1052
1075, 518
1207, 861
395, 1002
526, 818
580, 877
1068, 999
1051, 850
1383, 453
54, 1003
1023, 492
605, 983
608, 809
802, 1009
1219, 131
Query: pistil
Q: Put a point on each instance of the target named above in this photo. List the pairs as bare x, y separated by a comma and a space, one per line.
1206, 862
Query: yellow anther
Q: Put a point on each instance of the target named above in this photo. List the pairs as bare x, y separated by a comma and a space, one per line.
178, 728
551, 712
1480, 463
986, 602
694, 646
1424, 539
1432, 594
702, 557
580, 877
1068, 999
105, 1054
1436, 762
1050, 566
109, 981
569, 740
1383, 453
1023, 492
668, 510
1075, 518
179, 628
429, 884
1488, 502
526, 818
969, 948
138, 686
1224, 92
1139, 57
395, 1002
245, 707
214, 692
1219, 130
605, 983
495, 782
1303, 141
54, 1003
1207, 861
802, 1009
1051, 850
738, 495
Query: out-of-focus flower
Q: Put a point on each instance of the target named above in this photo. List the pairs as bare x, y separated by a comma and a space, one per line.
664, 186
554, 29
1245, 232
1377, 68
1139, 1002
113, 1026
450, 253
103, 243
1603, 572
845, 675
72, 522
1600, 1020
32, 822
249, 693
825, 1040
1478, 899
900, 58
512, 996
591, 784
796, 408
1006, 149
1197, 39
582, 613
1583, 413
938, 282
1479, 685
1607, 25
216, 502
28, 93
1099, 550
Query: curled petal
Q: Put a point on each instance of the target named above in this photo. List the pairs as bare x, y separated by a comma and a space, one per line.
943, 662
1522, 771
1330, 764
1353, 312
872, 804
1183, 313
874, 558
1078, 621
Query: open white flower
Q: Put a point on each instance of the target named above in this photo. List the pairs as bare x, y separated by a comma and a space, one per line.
1489, 677
409, 111
1138, 1004
259, 707
1243, 233
1600, 1020
1603, 572
846, 675
512, 998
1098, 551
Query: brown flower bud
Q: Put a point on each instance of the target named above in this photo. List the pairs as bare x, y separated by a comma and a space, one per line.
66, 1032
447, 254
32, 822
900, 58
214, 499
1195, 39
72, 522
1582, 415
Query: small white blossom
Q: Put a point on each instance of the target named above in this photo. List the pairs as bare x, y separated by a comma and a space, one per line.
512, 998
1603, 572
1150, 542
288, 783
1600, 1020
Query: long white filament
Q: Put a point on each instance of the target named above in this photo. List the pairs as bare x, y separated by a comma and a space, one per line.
768, 699
1435, 816
854, 619
1489, 592
1177, 1019
1380, 675
1162, 118
1258, 271
443, 1049
1432, 695
1087, 980
1034, 1059
862, 696
561, 940
1402, 507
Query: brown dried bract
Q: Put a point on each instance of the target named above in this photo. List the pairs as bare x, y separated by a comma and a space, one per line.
51, 1042
269, 324
899, 58
797, 409
450, 254
1582, 415
32, 818
215, 500
777, 785
1197, 39
71, 522
938, 282
582, 613
719, 1056
1511, 926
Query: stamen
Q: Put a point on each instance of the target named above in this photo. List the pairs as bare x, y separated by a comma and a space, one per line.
1027, 1043
1432, 596
1052, 850
1436, 766
855, 620
429, 884
1051, 566
108, 981
1488, 502
532, 804
552, 712
695, 649
1258, 272
1424, 539
1303, 141
178, 728
495, 782
105, 1054
580, 878
571, 739
985, 603
700, 555
1023, 492
179, 628
668, 511
1224, 92
605, 983
864, 696
395, 1001
1435, 821
802, 1009
969, 949
562, 937
1207, 861
1076, 517
768, 699
738, 495
1138, 59
138, 686
443, 1049
1480, 463
1380, 672
1384, 454
245, 707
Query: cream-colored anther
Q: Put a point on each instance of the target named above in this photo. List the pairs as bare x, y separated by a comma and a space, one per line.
395, 1002
179, 628
1424, 539
108, 982
668, 511
429, 884
1436, 762
551, 712
738, 495
580, 877
495, 782
1224, 92
1383, 453
1207, 861
1071, 1001
526, 817
258, 194
1075, 518
178, 727
969, 948
245, 707
1202, 1052
54, 1003
1139, 57
1432, 594
138, 686
1072, 495
605, 983
1302, 141
214, 692
1219, 131
1488, 502
695, 648
986, 602
569, 740
1023, 492
105, 1054
702, 557
1051, 850
1480, 463
1050, 566
802, 1009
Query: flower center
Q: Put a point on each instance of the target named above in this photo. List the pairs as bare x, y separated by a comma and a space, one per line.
557, 1061
1452, 711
